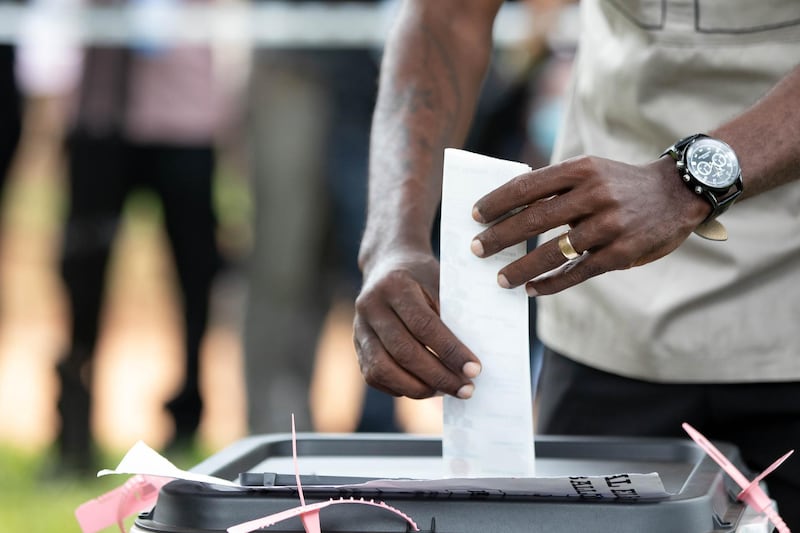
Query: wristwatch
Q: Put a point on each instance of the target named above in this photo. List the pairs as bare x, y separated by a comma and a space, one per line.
710, 168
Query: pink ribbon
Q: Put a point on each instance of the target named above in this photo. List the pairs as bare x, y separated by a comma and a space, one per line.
752, 493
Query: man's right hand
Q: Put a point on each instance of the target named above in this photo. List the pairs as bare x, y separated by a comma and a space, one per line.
403, 347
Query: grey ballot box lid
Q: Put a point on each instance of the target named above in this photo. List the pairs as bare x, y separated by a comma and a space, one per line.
700, 502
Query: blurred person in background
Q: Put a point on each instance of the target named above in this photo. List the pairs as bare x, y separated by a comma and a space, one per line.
142, 116
10, 113
309, 112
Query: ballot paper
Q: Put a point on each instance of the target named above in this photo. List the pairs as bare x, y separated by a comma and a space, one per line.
490, 434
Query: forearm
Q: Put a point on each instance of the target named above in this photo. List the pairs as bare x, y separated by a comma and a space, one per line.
766, 138
433, 66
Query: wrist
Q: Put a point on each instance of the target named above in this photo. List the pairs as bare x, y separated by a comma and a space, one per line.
693, 209
377, 247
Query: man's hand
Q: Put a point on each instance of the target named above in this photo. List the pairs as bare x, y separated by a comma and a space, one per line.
403, 347
622, 215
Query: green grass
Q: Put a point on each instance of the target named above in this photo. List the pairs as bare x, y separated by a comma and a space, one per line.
32, 502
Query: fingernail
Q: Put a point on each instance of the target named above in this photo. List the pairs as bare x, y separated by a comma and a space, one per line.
531, 291
466, 391
502, 280
477, 247
476, 215
471, 369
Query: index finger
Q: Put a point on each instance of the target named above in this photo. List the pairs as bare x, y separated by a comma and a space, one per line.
522, 190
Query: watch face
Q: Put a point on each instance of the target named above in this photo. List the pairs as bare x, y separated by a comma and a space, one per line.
713, 163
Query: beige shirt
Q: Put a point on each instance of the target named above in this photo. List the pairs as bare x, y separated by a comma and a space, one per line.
710, 311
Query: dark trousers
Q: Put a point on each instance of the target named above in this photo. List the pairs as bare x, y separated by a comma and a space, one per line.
762, 419
102, 174
10, 112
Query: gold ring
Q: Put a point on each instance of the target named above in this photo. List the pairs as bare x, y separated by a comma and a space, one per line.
567, 250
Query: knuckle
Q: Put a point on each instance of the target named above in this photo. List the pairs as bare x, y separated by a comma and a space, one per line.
578, 275
603, 194
397, 277
367, 372
450, 355
359, 343
389, 285
613, 226
533, 220
363, 302
422, 325
585, 164
444, 383
381, 290
520, 186
607, 195
553, 285
393, 277
366, 359
610, 223
378, 371
375, 375
552, 254
621, 254
371, 295
490, 237
515, 273
403, 352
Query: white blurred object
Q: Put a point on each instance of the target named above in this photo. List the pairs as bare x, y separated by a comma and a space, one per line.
153, 22
49, 57
272, 24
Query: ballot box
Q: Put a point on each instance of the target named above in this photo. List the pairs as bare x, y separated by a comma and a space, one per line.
700, 498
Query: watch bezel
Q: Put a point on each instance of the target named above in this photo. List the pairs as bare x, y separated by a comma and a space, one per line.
693, 146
